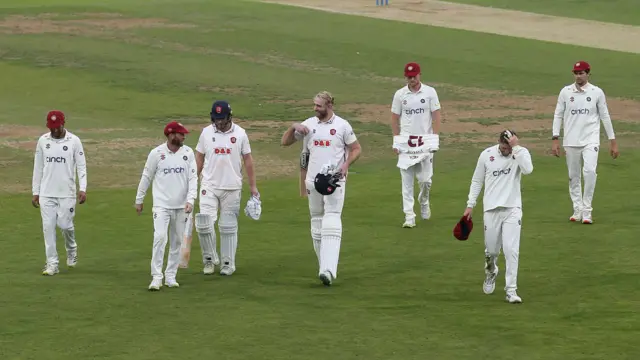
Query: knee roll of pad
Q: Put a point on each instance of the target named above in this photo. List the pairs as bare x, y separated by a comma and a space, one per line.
332, 225
204, 223
316, 227
228, 223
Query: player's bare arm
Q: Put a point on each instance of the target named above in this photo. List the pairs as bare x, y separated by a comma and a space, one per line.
248, 165
354, 153
289, 136
199, 162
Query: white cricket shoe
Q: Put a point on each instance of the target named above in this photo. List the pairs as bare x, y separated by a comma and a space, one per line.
50, 270
513, 298
209, 267
425, 211
577, 216
326, 278
226, 270
409, 224
72, 259
586, 217
172, 283
155, 285
489, 284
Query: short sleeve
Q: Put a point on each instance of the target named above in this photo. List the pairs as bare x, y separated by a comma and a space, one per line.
246, 147
200, 147
396, 104
434, 101
348, 135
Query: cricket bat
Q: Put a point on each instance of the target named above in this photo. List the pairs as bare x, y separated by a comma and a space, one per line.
185, 248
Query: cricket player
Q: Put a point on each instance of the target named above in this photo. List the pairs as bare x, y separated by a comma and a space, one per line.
580, 108
329, 148
499, 169
59, 155
172, 169
220, 152
415, 123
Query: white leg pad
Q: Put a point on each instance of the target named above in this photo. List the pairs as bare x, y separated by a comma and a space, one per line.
330, 246
207, 236
228, 226
316, 235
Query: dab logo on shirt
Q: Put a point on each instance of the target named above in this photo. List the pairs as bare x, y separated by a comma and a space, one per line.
222, 151
322, 143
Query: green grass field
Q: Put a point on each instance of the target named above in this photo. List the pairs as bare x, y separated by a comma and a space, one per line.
121, 70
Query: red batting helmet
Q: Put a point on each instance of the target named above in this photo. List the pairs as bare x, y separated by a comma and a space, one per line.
176, 128
55, 118
581, 66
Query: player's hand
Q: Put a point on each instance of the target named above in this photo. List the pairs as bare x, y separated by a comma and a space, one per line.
513, 141
255, 192
555, 148
188, 208
301, 129
82, 197
613, 150
35, 201
139, 208
467, 213
396, 151
344, 168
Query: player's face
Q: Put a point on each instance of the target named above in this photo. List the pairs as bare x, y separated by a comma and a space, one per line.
413, 81
505, 149
581, 77
320, 107
177, 139
56, 133
222, 124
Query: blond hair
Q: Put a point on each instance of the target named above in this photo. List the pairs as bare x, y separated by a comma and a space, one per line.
327, 97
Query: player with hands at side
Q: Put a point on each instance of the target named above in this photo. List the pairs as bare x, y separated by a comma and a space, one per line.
580, 108
58, 157
172, 168
222, 149
499, 169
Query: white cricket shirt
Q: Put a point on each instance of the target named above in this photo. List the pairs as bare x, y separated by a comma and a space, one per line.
223, 154
580, 112
415, 109
55, 164
500, 176
174, 176
326, 142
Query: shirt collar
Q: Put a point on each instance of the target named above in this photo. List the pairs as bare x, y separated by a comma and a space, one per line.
330, 121
408, 91
575, 88
226, 132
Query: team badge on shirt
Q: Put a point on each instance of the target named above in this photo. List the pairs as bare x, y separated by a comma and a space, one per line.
571, 99
332, 131
185, 158
233, 140
65, 148
422, 101
588, 99
162, 157
491, 158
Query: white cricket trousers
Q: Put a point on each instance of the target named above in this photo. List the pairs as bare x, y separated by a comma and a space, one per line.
582, 161
326, 225
228, 203
58, 212
502, 230
167, 224
423, 171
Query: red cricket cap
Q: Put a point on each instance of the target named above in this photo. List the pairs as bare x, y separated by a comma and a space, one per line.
581, 66
411, 69
463, 228
175, 127
55, 118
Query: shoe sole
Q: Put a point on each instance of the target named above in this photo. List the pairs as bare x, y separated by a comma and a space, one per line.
154, 289
325, 280
407, 226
